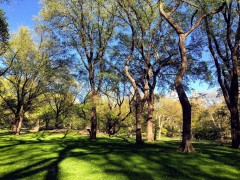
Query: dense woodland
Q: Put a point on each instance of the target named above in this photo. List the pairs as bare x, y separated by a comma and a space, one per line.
125, 68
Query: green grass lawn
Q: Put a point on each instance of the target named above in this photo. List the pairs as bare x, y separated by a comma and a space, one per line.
45, 156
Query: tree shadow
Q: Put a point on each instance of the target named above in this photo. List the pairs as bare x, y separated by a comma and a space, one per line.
118, 158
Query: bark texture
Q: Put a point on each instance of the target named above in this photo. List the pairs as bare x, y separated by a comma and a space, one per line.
150, 134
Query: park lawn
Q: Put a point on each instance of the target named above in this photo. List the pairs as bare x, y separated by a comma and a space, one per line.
55, 156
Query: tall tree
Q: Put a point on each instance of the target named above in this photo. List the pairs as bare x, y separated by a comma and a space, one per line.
167, 11
26, 76
224, 47
87, 26
148, 57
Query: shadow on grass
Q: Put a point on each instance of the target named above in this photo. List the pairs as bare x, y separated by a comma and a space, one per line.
114, 158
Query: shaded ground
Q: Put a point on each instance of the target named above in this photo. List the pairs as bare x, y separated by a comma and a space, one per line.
37, 156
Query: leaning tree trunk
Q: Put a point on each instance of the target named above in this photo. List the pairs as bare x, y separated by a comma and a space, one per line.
150, 137
186, 145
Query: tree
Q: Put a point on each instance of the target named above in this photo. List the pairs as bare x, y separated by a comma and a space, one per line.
145, 58
116, 106
167, 113
61, 94
224, 47
26, 76
167, 12
87, 26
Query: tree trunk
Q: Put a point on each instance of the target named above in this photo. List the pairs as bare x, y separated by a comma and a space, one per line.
150, 119
235, 132
57, 121
233, 94
160, 125
186, 145
47, 124
93, 132
155, 132
20, 120
14, 127
15, 124
138, 119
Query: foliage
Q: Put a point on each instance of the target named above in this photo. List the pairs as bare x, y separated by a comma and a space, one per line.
4, 35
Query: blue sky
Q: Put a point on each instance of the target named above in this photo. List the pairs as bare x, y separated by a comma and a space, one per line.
20, 13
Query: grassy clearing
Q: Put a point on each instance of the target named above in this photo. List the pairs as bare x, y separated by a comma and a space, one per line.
50, 156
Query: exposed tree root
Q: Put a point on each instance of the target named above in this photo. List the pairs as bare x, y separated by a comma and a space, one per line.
186, 147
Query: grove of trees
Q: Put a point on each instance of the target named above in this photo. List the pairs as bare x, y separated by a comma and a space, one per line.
109, 66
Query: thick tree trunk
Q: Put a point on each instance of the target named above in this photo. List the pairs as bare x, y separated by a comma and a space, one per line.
14, 127
186, 145
235, 130
93, 132
15, 124
233, 95
138, 119
150, 119
20, 120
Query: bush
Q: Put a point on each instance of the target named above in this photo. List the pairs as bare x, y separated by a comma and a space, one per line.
207, 133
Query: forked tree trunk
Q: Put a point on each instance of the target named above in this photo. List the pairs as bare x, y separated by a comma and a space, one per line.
150, 137
186, 145
230, 90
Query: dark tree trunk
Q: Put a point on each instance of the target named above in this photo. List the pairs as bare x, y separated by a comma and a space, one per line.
57, 121
150, 137
93, 132
233, 94
229, 84
186, 145
47, 124
235, 132
139, 140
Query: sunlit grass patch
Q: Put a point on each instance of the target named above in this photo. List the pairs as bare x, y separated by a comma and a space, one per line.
53, 156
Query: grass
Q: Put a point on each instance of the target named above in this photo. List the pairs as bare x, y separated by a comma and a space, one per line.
55, 156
